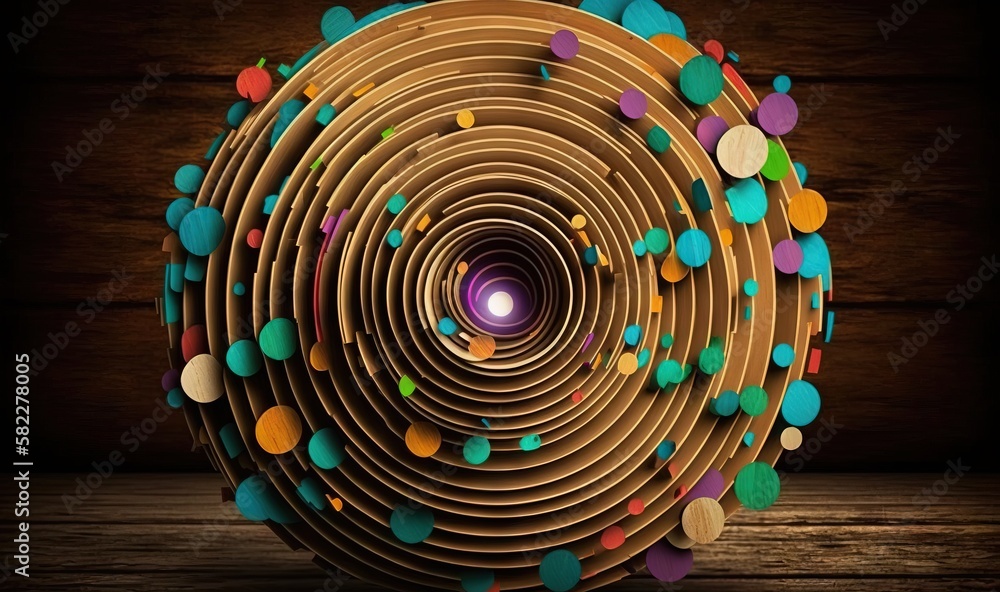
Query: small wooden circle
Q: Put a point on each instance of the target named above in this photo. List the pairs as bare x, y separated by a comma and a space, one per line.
791, 438
279, 429
807, 211
579, 221
482, 347
465, 119
742, 151
201, 379
703, 520
255, 238
423, 439
319, 356
628, 363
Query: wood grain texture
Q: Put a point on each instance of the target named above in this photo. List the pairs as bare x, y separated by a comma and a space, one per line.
159, 532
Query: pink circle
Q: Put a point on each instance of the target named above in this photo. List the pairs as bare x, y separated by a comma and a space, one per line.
710, 131
788, 256
668, 563
777, 114
565, 44
255, 238
633, 104
171, 380
715, 49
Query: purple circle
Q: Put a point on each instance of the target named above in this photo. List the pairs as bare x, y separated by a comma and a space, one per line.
710, 131
171, 380
788, 256
633, 104
668, 563
777, 114
710, 485
565, 44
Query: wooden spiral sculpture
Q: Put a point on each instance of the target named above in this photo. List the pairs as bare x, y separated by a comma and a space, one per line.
498, 295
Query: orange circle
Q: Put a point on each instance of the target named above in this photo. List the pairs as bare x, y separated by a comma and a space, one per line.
807, 211
674, 46
482, 347
423, 439
465, 119
628, 363
279, 429
319, 356
463, 267
726, 237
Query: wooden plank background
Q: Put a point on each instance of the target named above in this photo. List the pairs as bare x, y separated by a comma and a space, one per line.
886, 100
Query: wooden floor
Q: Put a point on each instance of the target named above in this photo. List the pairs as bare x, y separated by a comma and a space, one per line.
842, 532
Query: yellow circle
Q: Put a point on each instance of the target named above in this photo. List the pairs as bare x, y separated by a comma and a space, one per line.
465, 119
463, 267
628, 364
578, 221
279, 429
807, 211
423, 439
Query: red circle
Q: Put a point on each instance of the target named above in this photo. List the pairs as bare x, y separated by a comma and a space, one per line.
635, 507
254, 83
577, 396
194, 342
613, 537
715, 49
255, 238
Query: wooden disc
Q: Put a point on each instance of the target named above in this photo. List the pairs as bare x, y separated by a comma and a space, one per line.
319, 356
465, 119
807, 211
482, 347
578, 222
742, 151
201, 379
791, 438
703, 520
628, 363
279, 429
423, 439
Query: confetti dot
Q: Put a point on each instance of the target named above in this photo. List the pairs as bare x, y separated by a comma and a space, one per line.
742, 151
613, 537
801, 403
633, 335
639, 248
788, 256
423, 439
711, 360
394, 238
326, 449
279, 429
669, 372
807, 211
578, 222
777, 114
406, 386
244, 358
565, 44
531, 442
476, 450
465, 119
628, 363
411, 525
714, 48
751, 287
665, 449
635, 506
748, 439
782, 83
255, 238
560, 570
239, 289
701, 80
202, 231
447, 326
753, 400
668, 563
783, 355
694, 247
396, 204
643, 358
667, 340
177, 210
175, 398
658, 140
278, 339
657, 241
633, 104
757, 486
791, 438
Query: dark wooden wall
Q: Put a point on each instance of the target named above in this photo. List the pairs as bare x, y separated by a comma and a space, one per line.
885, 102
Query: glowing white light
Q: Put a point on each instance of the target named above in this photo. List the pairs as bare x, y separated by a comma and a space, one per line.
500, 304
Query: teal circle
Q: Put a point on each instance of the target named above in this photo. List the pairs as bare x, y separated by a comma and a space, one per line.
753, 400
747, 200
239, 289
411, 525
396, 204
782, 83
238, 112
325, 449
611, 10
693, 247
244, 358
395, 238
311, 492
232, 440
643, 357
667, 340
711, 360
801, 171
335, 23
657, 241
250, 499
591, 255
560, 570
278, 339
188, 178
201, 231
748, 438
646, 18
658, 140
757, 486
177, 210
815, 258
783, 355
633, 335
447, 326
639, 248
725, 404
175, 398
531, 442
801, 403
478, 580
290, 109
751, 287
666, 449
669, 372
701, 80
476, 450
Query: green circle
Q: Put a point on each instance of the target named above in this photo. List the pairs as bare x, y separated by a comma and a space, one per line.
476, 450
394, 238
669, 372
175, 398
658, 139
667, 340
202, 230
757, 486
701, 80
243, 358
777, 165
693, 247
406, 386
711, 360
479, 580
396, 204
239, 289
751, 288
531, 442
325, 449
657, 240
639, 248
783, 355
643, 357
725, 404
277, 339
753, 400
411, 526
560, 570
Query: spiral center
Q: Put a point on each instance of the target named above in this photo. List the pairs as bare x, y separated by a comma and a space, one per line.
500, 304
